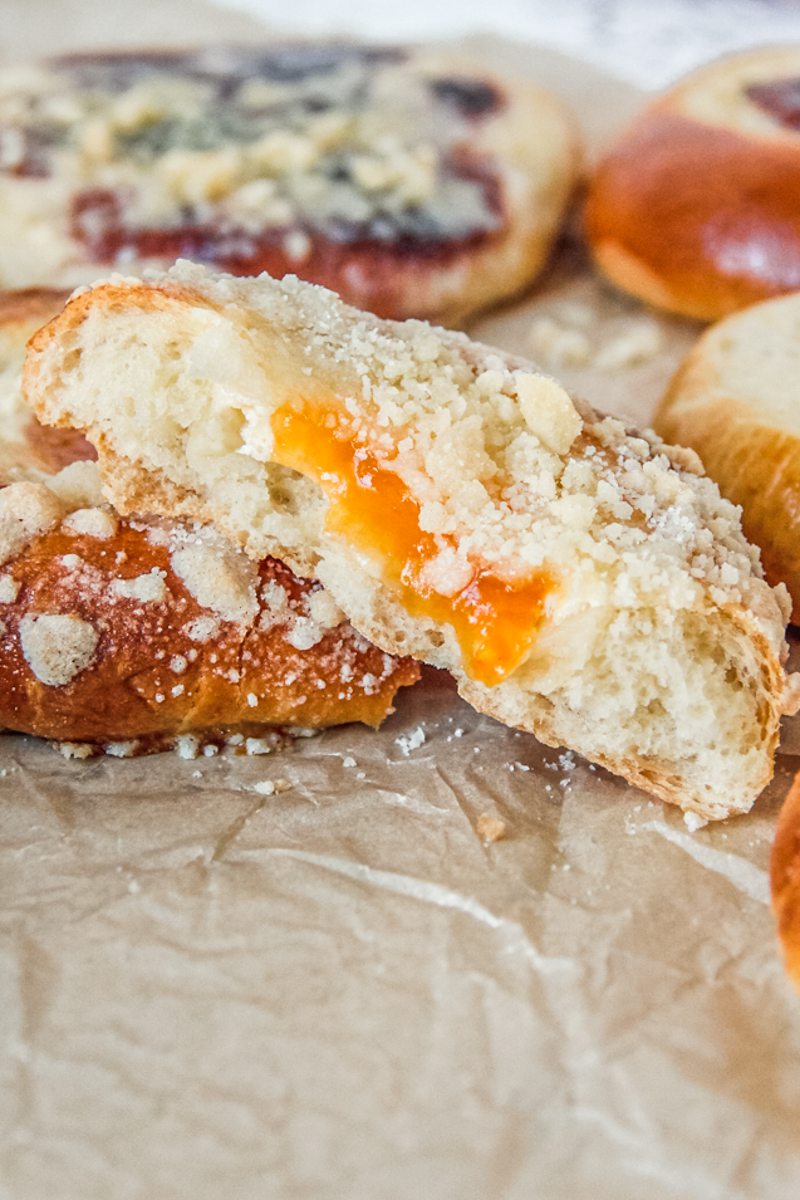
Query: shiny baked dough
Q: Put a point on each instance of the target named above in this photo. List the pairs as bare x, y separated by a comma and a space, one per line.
696, 208
412, 181
142, 632
785, 880
579, 580
133, 635
736, 401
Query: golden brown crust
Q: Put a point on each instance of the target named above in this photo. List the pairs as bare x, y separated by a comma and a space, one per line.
756, 467
744, 430
152, 674
785, 880
696, 215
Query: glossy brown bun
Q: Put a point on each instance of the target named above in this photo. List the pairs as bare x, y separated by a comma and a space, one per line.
735, 400
785, 880
105, 638
696, 209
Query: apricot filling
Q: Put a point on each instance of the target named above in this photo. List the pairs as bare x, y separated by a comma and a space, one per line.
495, 620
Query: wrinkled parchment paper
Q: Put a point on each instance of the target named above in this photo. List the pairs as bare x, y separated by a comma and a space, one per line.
340, 990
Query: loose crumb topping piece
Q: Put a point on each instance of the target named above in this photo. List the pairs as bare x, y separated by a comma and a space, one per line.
26, 510
57, 646
98, 523
217, 575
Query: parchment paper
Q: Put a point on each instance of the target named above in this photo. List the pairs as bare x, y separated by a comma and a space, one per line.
340, 990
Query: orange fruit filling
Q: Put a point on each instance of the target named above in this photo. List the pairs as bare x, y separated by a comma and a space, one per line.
369, 507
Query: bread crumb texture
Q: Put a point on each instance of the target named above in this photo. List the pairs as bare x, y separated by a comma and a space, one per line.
659, 647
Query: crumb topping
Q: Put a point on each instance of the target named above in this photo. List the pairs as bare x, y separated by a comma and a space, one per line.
9, 589
98, 523
77, 486
217, 575
26, 510
197, 614
57, 646
506, 467
148, 589
230, 145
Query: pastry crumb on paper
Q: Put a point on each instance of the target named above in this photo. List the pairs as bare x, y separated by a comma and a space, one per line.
270, 787
490, 829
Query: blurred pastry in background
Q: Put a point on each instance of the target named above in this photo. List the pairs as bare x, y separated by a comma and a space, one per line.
735, 400
412, 182
785, 880
696, 209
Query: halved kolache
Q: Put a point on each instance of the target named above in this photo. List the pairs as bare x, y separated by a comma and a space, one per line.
580, 581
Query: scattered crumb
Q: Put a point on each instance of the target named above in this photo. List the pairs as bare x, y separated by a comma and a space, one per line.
569, 337
271, 787
693, 821
640, 341
558, 345
75, 749
263, 745
121, 749
410, 741
490, 829
187, 746
348, 761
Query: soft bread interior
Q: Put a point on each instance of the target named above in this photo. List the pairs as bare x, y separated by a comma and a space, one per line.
659, 649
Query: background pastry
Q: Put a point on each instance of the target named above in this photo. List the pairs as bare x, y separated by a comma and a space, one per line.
735, 401
696, 208
410, 181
